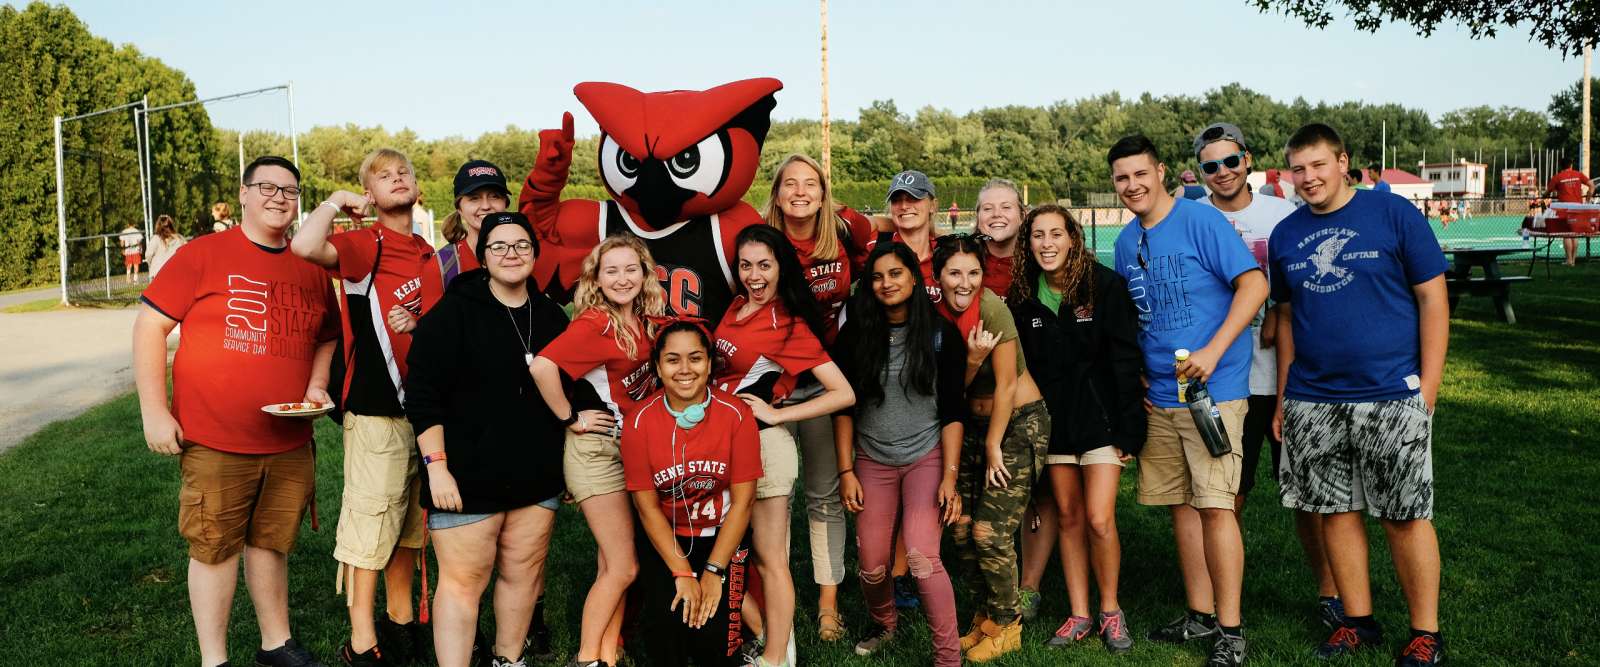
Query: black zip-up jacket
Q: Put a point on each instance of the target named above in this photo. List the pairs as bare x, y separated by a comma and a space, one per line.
1086, 361
467, 373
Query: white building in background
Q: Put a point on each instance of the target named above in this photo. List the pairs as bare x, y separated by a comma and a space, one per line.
1457, 179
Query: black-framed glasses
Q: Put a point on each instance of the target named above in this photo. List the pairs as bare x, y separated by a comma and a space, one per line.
500, 248
270, 190
1142, 249
1229, 161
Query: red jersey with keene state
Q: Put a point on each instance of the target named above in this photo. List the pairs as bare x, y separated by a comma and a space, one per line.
830, 277
692, 470
378, 269
587, 352
765, 351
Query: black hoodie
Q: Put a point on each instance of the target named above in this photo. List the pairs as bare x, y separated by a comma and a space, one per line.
467, 373
1086, 361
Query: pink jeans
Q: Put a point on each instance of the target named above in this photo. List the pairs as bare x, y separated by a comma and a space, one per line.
913, 492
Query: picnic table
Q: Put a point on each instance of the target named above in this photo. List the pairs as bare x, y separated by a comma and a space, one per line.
1548, 249
1493, 283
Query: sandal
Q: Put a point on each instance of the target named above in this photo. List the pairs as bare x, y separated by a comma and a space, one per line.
830, 625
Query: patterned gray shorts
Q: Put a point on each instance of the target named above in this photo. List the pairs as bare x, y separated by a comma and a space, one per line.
1348, 457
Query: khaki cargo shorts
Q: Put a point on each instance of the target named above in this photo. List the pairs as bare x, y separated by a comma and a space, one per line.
780, 463
227, 501
380, 509
1176, 469
592, 463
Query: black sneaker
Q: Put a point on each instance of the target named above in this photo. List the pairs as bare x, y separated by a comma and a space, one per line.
1330, 611
537, 645
291, 654
875, 640
1423, 650
905, 592
1228, 651
1189, 627
373, 657
403, 643
1348, 639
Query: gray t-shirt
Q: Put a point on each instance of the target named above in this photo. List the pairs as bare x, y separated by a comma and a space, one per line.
906, 426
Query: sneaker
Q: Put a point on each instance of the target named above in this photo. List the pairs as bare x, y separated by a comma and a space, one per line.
1228, 651
1190, 626
1029, 603
1071, 632
403, 643
1114, 632
1331, 612
874, 640
291, 654
997, 641
537, 644
373, 657
504, 662
750, 650
905, 592
1348, 639
1423, 650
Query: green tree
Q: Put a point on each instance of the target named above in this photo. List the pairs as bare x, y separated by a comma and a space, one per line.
1559, 24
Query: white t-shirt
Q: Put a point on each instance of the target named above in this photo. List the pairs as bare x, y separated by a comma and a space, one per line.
132, 240
1255, 224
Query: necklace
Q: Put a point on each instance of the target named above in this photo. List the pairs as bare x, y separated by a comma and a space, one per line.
526, 343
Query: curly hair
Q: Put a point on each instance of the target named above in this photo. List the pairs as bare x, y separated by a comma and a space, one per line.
650, 302
1077, 273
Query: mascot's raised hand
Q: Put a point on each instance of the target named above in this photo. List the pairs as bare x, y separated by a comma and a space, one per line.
677, 165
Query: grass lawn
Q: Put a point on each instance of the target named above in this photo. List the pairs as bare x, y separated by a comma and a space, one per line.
92, 572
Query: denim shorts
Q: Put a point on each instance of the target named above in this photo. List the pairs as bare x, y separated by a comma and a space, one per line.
438, 520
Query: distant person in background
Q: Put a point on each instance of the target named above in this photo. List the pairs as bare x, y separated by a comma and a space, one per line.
221, 216
955, 212
1353, 177
166, 241
1190, 187
421, 219
1377, 179
1570, 186
132, 241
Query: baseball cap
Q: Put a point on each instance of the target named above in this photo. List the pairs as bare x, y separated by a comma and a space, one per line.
1218, 132
504, 218
911, 182
478, 174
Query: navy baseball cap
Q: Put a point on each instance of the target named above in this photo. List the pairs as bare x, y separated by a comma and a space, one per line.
476, 175
911, 182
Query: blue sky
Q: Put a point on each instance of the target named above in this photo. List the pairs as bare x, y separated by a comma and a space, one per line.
466, 67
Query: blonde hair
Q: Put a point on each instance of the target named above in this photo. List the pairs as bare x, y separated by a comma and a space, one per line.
221, 211
826, 234
382, 159
650, 302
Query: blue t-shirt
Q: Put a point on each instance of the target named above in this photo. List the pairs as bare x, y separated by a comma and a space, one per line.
1182, 291
1382, 186
1348, 277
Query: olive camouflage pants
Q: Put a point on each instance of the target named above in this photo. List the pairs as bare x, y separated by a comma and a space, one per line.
985, 536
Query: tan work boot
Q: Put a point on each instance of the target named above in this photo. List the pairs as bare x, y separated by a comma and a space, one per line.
974, 631
997, 640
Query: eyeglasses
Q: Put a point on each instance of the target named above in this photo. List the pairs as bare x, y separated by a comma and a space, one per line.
270, 190
500, 248
1230, 161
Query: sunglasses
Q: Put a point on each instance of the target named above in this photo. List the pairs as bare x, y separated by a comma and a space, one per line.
1143, 248
1229, 161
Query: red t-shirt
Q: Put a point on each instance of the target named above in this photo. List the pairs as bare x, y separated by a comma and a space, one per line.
997, 274
765, 351
406, 275
692, 469
935, 293
1568, 185
587, 352
252, 319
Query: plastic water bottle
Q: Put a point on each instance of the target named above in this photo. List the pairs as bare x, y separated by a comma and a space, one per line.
1207, 416
1526, 242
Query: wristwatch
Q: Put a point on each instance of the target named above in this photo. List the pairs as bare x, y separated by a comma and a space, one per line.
715, 569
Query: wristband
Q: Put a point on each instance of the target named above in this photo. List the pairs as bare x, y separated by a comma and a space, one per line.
682, 574
329, 203
846, 470
713, 568
430, 458
572, 417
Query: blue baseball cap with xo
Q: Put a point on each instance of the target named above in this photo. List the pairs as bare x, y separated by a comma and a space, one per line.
911, 182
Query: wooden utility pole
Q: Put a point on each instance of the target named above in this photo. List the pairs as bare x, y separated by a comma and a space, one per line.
827, 140
1583, 150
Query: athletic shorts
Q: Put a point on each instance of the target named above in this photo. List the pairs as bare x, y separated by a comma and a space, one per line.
381, 508
780, 463
592, 463
1175, 468
1106, 455
1348, 457
227, 501
132, 260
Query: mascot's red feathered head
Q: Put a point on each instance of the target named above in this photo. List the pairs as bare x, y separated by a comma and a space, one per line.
679, 154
